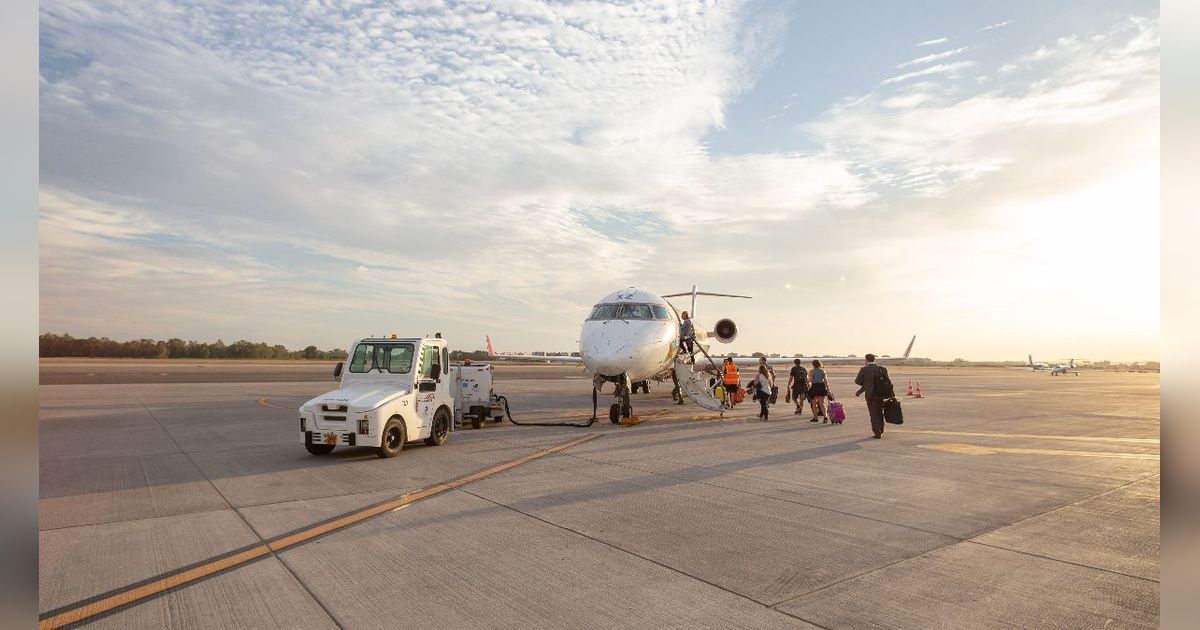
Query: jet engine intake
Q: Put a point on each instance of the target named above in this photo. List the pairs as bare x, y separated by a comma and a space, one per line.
725, 331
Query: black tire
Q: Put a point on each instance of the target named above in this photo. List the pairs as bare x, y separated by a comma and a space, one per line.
319, 449
626, 410
478, 416
476, 422
393, 438
614, 414
441, 428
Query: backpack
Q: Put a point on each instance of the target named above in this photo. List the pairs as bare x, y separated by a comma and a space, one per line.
883, 384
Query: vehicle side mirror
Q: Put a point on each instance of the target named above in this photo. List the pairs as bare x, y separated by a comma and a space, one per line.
435, 371
337, 370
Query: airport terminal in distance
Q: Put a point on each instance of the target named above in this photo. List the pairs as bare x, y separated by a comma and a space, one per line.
183, 494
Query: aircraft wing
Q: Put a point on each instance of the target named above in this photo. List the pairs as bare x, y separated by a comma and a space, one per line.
807, 361
556, 358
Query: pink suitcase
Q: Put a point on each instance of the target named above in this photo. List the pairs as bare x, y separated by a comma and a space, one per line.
837, 413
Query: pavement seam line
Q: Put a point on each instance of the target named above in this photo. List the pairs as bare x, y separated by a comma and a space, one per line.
771, 497
230, 506
621, 549
83, 610
968, 540
1075, 564
241, 517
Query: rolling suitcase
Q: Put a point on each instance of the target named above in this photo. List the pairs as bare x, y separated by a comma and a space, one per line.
837, 413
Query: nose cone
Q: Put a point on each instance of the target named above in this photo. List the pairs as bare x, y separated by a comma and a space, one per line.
615, 347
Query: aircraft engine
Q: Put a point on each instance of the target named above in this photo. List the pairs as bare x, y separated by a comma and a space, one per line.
725, 331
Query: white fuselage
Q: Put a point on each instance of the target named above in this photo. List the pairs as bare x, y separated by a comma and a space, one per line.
620, 339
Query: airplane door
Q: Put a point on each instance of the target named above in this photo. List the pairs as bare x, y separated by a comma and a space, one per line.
695, 386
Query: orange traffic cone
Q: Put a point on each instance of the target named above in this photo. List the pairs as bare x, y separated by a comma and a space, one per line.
918, 394
909, 389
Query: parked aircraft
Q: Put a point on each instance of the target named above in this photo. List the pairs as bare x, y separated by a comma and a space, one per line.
1063, 369
631, 337
1037, 366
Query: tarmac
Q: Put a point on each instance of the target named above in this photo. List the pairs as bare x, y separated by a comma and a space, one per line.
179, 495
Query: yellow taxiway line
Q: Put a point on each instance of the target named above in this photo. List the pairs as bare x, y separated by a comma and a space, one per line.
81, 611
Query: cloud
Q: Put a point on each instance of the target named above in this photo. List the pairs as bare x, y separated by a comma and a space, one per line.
995, 26
933, 57
933, 42
424, 145
941, 68
930, 136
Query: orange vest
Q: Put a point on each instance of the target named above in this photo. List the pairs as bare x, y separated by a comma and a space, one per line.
731, 374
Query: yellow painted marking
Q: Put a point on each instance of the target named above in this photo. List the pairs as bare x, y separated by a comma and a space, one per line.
263, 401
131, 595
1080, 438
630, 421
971, 449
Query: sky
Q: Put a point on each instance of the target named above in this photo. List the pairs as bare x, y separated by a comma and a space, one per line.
982, 175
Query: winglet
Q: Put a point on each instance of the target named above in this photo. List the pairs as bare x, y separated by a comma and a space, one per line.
491, 350
908, 350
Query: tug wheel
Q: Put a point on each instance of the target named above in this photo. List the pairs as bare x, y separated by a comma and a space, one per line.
392, 441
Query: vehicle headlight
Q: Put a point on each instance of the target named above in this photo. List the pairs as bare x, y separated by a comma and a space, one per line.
364, 424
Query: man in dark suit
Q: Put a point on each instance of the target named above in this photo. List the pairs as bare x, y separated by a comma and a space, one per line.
867, 381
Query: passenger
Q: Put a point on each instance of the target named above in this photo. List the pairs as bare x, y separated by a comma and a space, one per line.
731, 381
687, 336
762, 362
762, 391
869, 382
818, 390
798, 386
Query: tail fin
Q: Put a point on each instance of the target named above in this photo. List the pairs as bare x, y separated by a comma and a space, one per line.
491, 350
1031, 360
908, 350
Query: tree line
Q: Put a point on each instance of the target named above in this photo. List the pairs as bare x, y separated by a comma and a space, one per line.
54, 345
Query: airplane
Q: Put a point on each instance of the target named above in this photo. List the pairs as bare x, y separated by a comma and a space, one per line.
1036, 366
1063, 369
631, 337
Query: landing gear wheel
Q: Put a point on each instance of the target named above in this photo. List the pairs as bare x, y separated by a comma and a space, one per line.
614, 414
393, 438
319, 449
441, 427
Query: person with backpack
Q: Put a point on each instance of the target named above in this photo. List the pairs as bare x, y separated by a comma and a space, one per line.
873, 380
818, 390
798, 386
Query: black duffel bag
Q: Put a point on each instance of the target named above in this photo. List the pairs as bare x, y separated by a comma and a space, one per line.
892, 413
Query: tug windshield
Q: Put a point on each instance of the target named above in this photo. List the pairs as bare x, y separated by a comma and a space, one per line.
394, 358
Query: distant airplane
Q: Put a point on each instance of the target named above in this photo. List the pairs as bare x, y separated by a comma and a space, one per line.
632, 336
1063, 369
1036, 366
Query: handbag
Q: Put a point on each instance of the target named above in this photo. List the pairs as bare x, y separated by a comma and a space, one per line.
892, 413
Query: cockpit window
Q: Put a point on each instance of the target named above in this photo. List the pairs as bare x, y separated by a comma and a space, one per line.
604, 311
635, 311
629, 311
395, 358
